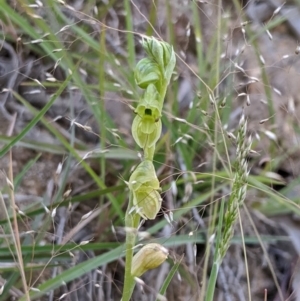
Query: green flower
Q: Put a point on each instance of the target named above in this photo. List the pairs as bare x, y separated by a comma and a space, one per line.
147, 202
146, 131
146, 127
145, 186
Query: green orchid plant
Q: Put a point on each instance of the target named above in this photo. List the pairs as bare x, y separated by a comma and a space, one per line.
153, 74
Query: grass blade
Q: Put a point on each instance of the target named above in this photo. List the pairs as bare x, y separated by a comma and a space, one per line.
170, 277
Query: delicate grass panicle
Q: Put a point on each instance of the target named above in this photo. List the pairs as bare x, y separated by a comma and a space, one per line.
236, 199
239, 187
152, 74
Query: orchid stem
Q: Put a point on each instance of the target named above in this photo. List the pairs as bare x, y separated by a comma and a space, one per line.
131, 223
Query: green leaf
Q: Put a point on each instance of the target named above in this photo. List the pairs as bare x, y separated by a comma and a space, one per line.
75, 272
36, 118
170, 276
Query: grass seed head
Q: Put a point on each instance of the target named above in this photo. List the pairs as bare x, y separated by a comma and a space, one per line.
239, 187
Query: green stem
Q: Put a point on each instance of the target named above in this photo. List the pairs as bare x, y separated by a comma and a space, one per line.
130, 37
212, 282
131, 222
215, 268
149, 153
217, 258
102, 55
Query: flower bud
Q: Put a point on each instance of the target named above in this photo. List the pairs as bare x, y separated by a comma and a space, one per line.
146, 72
155, 51
147, 258
163, 54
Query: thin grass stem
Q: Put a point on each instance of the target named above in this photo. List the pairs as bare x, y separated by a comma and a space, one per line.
130, 37
245, 256
217, 262
131, 224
